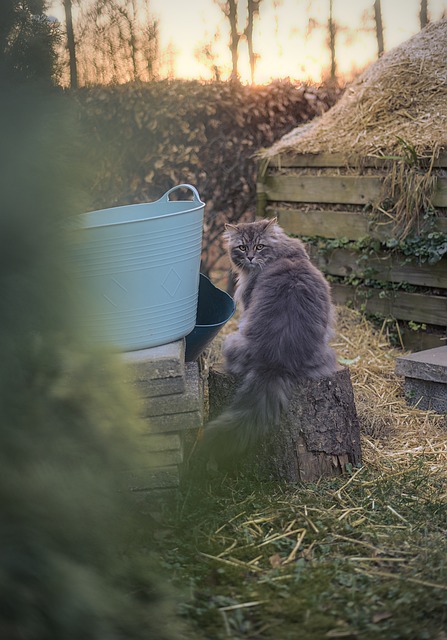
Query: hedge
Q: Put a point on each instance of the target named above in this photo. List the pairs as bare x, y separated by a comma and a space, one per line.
147, 137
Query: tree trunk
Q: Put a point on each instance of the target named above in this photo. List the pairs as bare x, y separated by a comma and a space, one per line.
252, 11
423, 14
71, 46
234, 38
379, 27
332, 33
319, 434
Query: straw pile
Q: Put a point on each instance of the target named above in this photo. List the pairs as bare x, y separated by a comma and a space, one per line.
401, 97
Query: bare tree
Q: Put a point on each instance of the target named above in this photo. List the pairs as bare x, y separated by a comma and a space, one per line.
206, 55
423, 14
118, 42
71, 45
252, 12
332, 32
379, 27
230, 10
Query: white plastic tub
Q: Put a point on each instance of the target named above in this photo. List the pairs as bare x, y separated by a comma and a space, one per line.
138, 269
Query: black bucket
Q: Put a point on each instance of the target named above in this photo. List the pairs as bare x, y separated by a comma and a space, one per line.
215, 308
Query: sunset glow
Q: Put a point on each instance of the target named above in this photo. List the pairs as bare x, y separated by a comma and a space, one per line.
282, 39
280, 35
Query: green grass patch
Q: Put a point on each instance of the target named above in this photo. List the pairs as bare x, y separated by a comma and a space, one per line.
363, 556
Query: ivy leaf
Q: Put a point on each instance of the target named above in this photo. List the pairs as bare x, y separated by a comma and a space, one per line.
348, 361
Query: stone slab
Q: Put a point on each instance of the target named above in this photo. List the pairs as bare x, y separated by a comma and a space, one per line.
166, 458
426, 394
161, 387
190, 400
153, 443
146, 478
175, 422
157, 363
430, 365
153, 499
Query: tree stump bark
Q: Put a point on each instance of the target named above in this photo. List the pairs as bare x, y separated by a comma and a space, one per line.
319, 434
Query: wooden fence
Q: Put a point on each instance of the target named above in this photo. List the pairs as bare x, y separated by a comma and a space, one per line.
339, 206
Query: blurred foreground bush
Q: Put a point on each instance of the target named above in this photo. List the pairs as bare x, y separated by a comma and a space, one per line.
68, 565
149, 137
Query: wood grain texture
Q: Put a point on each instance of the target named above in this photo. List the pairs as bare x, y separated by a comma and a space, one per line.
318, 436
352, 225
337, 160
335, 189
386, 267
397, 304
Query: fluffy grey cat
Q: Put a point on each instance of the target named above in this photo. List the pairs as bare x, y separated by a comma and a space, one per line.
283, 334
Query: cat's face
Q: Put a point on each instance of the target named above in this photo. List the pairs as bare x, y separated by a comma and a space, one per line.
251, 244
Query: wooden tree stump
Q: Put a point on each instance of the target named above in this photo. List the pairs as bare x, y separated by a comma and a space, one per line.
319, 434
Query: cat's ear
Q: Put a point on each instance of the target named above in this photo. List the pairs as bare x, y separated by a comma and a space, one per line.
230, 228
271, 222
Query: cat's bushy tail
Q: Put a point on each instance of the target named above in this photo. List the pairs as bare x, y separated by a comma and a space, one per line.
255, 409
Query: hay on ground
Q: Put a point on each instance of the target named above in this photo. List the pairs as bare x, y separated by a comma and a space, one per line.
394, 434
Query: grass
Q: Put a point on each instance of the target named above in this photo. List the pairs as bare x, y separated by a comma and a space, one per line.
359, 556
362, 556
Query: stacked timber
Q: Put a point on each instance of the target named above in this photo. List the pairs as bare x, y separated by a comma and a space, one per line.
366, 185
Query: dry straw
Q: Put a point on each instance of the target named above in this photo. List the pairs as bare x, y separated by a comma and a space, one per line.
396, 441
395, 435
402, 96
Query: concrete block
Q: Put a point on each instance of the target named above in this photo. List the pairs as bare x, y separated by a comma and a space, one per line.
428, 365
153, 499
426, 394
162, 387
149, 478
166, 458
190, 400
159, 370
425, 378
153, 443
161, 450
175, 422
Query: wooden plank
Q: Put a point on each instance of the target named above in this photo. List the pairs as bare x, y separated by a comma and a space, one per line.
383, 266
326, 224
325, 189
338, 160
398, 304
312, 160
420, 340
336, 224
442, 160
440, 197
335, 189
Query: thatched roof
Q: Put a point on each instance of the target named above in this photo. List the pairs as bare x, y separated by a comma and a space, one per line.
401, 96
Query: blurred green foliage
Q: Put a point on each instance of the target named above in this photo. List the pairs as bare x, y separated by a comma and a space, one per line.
68, 566
28, 40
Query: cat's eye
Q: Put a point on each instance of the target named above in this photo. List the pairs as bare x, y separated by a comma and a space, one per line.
259, 247
243, 247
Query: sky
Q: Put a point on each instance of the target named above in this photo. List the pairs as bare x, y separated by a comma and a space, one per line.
280, 39
280, 34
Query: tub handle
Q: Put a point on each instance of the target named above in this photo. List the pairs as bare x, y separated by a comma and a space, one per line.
184, 186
